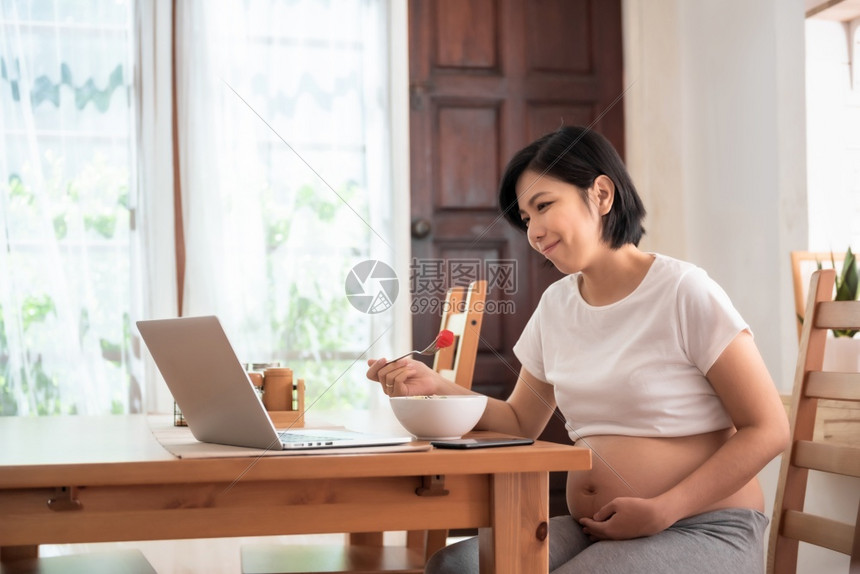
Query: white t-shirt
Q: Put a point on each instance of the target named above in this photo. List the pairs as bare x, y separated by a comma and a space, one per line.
635, 367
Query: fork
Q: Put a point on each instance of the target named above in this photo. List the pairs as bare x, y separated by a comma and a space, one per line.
442, 340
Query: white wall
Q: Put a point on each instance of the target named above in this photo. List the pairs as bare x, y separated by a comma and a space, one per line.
716, 145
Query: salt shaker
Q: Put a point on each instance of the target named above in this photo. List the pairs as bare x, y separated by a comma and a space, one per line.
278, 389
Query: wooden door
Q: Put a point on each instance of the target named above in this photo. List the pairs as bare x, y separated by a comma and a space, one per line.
486, 78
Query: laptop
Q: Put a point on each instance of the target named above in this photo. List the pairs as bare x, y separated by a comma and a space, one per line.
216, 396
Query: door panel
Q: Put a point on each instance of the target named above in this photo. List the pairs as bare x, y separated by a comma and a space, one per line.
458, 43
560, 43
461, 184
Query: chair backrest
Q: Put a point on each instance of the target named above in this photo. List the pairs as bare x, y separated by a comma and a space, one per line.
462, 315
807, 450
803, 265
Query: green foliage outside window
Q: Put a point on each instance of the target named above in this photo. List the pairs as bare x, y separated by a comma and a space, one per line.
312, 323
83, 203
96, 200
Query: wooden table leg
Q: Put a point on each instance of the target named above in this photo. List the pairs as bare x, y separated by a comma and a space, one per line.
517, 541
13, 553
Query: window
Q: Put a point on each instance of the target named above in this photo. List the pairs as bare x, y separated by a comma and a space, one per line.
285, 179
833, 133
284, 170
64, 208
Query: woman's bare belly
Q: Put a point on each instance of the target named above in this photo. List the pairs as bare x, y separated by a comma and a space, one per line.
646, 467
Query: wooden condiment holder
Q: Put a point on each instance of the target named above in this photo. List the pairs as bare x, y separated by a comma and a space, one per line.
284, 398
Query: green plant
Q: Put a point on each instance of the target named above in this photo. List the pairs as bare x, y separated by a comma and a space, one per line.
847, 285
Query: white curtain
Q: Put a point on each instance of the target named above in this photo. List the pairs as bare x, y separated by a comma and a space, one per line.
153, 245
220, 174
65, 191
285, 171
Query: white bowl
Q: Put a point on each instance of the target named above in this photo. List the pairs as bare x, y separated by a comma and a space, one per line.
439, 417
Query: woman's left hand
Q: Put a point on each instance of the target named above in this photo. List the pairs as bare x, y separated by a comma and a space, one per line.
627, 517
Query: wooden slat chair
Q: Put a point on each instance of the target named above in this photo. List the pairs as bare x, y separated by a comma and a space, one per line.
803, 265
365, 553
463, 315
806, 451
130, 561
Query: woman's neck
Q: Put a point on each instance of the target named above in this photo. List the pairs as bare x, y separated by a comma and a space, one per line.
615, 276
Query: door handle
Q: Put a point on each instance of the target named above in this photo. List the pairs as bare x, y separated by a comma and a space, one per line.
420, 228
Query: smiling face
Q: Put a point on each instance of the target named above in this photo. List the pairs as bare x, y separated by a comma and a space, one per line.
561, 226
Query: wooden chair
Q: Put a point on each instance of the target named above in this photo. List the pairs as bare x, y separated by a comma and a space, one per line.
803, 265
365, 553
463, 315
114, 562
807, 451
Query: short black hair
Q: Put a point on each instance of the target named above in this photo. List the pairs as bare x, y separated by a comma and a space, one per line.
577, 155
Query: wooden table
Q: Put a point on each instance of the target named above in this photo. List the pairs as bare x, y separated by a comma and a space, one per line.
99, 479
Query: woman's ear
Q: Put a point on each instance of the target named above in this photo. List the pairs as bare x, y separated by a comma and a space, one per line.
604, 194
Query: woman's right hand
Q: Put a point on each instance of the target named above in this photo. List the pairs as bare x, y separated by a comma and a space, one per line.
408, 377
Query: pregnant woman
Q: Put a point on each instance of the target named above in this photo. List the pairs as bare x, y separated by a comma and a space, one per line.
652, 367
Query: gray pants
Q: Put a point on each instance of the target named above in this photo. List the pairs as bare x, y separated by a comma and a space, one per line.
719, 542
